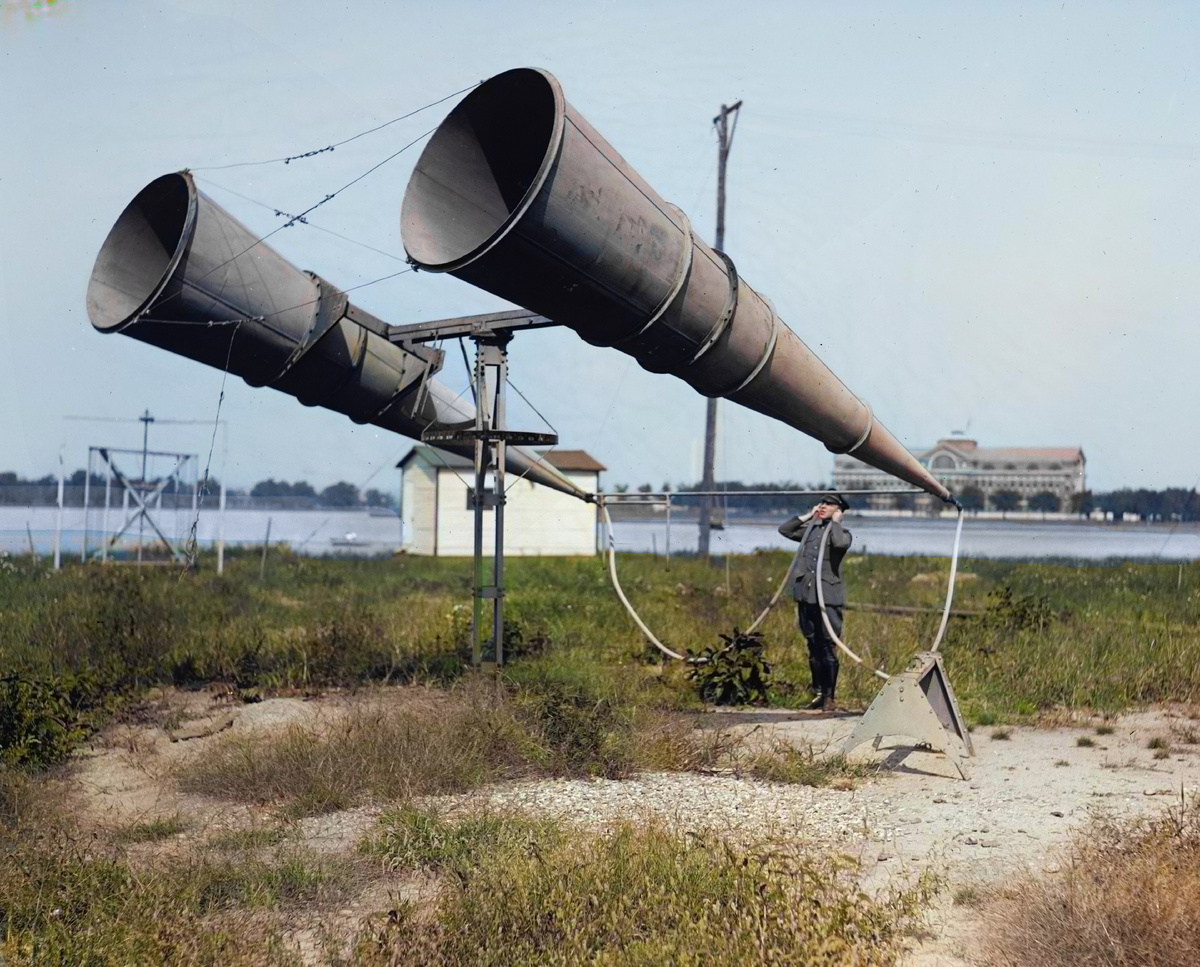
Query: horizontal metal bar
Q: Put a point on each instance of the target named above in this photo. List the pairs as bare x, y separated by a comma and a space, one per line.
519, 437
910, 609
149, 453
670, 494
468, 326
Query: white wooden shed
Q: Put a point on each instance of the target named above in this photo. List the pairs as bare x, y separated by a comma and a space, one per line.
435, 507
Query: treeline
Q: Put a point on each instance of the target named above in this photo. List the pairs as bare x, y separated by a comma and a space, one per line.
1171, 504
43, 492
774, 500
1174, 503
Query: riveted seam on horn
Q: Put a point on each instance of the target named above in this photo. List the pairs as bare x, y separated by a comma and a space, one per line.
863, 437
404, 388
731, 302
322, 321
685, 269
758, 367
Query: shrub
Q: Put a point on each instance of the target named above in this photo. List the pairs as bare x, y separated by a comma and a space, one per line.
644, 896
40, 721
736, 673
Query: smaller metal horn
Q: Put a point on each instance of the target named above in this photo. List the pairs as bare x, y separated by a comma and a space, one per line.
179, 272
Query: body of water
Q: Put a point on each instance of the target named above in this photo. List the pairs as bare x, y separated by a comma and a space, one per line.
323, 532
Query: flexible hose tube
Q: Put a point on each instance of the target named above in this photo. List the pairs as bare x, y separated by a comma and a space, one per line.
611, 550
612, 570
825, 614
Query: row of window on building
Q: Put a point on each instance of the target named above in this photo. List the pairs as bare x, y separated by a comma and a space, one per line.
1004, 478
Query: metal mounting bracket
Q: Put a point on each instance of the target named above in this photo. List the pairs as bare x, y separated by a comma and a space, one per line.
919, 704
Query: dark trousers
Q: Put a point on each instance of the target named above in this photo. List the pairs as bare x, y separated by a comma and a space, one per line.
822, 652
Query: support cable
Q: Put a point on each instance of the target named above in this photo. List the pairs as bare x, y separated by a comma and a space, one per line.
300, 218
279, 212
191, 547
337, 144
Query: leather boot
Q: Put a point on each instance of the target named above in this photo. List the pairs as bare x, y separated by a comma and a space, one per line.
817, 671
830, 704
819, 702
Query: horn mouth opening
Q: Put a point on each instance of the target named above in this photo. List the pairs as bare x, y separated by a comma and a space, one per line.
482, 169
141, 252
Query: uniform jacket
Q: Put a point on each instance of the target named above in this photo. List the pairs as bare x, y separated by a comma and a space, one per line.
805, 588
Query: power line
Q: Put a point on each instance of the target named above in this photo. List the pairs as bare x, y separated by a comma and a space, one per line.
295, 218
288, 159
303, 221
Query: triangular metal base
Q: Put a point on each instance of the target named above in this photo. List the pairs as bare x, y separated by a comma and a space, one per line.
919, 704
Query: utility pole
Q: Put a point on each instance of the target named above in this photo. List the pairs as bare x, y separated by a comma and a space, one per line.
725, 141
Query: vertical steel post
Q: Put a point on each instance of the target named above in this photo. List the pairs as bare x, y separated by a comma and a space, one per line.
87, 481
195, 507
146, 419
59, 526
221, 532
262, 567
500, 357
482, 452
668, 532
104, 517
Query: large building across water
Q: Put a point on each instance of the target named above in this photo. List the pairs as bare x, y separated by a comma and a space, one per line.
1034, 478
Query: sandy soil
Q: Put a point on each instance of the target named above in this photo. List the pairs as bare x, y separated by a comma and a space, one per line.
1027, 793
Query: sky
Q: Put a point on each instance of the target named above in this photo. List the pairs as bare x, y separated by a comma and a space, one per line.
982, 217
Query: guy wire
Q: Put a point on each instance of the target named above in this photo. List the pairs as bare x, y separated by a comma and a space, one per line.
337, 144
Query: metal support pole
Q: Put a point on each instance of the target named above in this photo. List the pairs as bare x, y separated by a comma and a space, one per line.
104, 518
221, 532
668, 532
487, 634
725, 139
59, 525
500, 353
482, 450
262, 567
87, 483
146, 420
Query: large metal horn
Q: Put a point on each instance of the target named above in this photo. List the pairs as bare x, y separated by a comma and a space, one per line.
179, 272
518, 194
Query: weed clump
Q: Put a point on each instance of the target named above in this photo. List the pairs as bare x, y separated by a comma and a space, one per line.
804, 767
736, 673
439, 744
1130, 895
69, 901
415, 838
638, 896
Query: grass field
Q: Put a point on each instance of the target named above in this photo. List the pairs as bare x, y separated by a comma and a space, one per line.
1053, 637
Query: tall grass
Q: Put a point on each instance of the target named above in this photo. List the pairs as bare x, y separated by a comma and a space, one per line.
69, 899
632, 895
480, 732
1129, 895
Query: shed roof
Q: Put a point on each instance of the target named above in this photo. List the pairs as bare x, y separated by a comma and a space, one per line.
579, 461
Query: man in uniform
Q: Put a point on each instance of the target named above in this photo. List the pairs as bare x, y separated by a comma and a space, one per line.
808, 530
